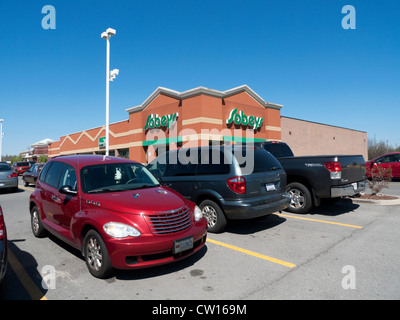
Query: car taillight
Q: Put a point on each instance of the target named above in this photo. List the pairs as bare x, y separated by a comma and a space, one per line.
2, 226
12, 175
237, 184
334, 168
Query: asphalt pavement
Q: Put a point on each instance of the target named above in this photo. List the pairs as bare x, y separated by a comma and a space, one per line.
342, 251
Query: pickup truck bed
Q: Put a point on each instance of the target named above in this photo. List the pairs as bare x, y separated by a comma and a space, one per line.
312, 178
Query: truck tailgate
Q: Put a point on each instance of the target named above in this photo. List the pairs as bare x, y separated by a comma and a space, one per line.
353, 168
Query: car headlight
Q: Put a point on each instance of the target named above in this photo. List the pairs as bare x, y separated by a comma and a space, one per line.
120, 230
198, 214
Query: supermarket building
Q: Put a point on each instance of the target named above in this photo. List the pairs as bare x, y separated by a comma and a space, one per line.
168, 119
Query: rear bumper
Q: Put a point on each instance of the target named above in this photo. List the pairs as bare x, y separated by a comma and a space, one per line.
9, 183
348, 189
247, 209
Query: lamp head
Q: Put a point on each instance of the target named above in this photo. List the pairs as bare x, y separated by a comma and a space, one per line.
108, 33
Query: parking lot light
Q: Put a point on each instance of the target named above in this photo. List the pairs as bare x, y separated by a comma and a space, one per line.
106, 35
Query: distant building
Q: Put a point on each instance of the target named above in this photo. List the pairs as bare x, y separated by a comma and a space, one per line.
37, 149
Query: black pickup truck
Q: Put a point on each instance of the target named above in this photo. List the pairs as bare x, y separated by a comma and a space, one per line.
312, 178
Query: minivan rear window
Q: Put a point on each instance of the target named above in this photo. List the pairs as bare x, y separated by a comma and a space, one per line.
256, 160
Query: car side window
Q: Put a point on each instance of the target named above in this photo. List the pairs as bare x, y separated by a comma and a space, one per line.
212, 161
53, 174
385, 159
42, 176
175, 167
68, 177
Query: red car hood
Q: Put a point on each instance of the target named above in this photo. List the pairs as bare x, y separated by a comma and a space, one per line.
142, 201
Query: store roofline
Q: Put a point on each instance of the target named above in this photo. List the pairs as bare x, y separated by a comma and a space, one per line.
203, 90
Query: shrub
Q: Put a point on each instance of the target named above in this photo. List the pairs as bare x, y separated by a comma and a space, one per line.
380, 178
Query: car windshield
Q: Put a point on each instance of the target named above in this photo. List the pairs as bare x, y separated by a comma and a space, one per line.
23, 164
116, 177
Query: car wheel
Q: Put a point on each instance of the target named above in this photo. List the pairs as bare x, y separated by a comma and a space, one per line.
26, 183
300, 198
36, 224
96, 255
3, 286
216, 221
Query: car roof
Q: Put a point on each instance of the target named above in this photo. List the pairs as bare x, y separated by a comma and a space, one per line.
87, 160
387, 154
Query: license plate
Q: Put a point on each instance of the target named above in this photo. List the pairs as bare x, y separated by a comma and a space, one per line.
182, 245
270, 187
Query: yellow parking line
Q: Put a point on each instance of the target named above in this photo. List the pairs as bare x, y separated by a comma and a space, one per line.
255, 254
29, 189
316, 220
34, 292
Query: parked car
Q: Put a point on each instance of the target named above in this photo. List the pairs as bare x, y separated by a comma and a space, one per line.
3, 254
8, 178
223, 184
312, 178
31, 175
21, 166
387, 160
115, 212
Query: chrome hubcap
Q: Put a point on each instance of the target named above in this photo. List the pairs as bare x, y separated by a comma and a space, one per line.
211, 215
297, 199
93, 254
35, 221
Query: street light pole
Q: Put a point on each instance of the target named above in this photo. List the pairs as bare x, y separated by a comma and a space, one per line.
106, 35
1, 137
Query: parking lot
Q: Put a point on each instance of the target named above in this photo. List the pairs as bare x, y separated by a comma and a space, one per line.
348, 250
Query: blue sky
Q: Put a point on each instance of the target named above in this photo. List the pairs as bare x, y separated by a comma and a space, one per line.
294, 53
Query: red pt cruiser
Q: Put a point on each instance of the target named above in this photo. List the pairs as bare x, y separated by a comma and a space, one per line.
115, 212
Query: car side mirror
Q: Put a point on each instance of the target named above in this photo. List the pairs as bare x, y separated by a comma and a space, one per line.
67, 190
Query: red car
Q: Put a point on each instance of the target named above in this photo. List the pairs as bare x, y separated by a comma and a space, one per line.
21, 166
115, 212
385, 161
3, 254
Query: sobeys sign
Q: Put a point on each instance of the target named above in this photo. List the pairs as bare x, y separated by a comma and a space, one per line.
241, 118
154, 121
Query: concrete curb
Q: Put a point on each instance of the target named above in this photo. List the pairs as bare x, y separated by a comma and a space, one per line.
379, 202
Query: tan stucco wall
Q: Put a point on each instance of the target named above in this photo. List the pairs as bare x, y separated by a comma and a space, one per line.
311, 138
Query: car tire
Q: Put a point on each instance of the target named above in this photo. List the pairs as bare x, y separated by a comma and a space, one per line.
96, 255
300, 198
26, 183
3, 285
36, 223
216, 220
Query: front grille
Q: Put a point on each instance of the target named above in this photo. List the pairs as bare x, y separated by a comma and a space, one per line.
166, 222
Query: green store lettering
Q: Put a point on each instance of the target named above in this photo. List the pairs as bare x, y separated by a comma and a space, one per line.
240, 118
154, 121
